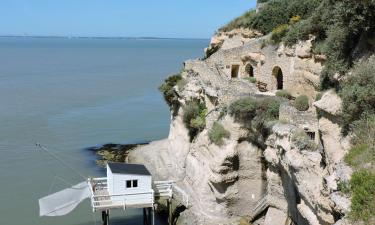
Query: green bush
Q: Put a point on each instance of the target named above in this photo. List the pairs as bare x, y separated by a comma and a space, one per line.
181, 84
280, 12
194, 117
357, 155
170, 95
302, 103
218, 133
363, 151
358, 93
362, 186
278, 33
303, 142
251, 79
255, 115
283, 94
244, 21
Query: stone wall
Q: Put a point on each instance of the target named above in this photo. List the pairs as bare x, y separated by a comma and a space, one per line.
299, 67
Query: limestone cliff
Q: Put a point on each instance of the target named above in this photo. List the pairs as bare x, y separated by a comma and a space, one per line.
278, 182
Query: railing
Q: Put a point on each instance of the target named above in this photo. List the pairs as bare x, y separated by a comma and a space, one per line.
101, 199
163, 188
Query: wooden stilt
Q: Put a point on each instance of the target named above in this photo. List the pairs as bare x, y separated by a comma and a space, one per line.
144, 217
104, 217
169, 205
107, 217
153, 215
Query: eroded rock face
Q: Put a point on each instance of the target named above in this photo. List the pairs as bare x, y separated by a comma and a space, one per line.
226, 183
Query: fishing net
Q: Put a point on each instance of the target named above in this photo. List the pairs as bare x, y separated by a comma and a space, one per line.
63, 202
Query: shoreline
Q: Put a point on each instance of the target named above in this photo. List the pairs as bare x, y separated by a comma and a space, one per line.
113, 152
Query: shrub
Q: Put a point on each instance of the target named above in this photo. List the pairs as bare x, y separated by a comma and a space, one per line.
278, 33
194, 117
218, 133
280, 12
297, 31
251, 79
302, 141
294, 20
358, 155
244, 109
358, 93
362, 186
170, 95
255, 115
244, 21
363, 151
364, 132
302, 103
283, 94
181, 84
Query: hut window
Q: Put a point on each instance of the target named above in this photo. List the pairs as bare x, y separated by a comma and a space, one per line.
131, 183
128, 184
135, 183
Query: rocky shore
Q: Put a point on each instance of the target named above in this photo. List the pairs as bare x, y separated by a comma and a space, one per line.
113, 152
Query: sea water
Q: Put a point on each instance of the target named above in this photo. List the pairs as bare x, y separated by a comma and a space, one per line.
70, 94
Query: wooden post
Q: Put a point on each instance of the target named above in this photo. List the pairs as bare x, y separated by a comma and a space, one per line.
153, 215
169, 206
144, 217
105, 217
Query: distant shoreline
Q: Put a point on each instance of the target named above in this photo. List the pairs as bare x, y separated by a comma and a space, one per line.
94, 37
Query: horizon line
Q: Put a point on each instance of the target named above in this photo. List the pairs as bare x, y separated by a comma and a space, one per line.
99, 37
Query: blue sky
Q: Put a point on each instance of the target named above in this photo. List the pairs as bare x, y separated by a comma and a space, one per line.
134, 18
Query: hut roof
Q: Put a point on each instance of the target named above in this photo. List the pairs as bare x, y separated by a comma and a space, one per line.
126, 168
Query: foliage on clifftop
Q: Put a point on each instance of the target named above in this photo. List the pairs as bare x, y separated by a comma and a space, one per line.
338, 25
255, 114
275, 13
170, 95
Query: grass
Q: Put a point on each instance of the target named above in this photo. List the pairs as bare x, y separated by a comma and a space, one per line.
218, 133
362, 186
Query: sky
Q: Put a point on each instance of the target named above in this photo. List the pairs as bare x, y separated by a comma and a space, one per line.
119, 18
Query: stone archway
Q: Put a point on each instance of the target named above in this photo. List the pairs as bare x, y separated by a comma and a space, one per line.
249, 70
277, 73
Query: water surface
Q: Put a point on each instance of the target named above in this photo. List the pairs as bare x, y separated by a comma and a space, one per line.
69, 94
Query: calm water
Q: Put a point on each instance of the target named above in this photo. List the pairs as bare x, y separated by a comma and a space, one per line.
69, 94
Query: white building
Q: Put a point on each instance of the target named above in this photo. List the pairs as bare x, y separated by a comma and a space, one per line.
129, 185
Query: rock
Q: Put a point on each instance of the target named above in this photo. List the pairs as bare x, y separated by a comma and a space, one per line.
275, 217
330, 103
303, 49
342, 203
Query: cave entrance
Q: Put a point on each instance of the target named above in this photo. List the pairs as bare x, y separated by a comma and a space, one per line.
249, 70
278, 75
235, 70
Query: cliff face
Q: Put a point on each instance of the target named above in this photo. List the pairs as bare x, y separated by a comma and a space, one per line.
279, 182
